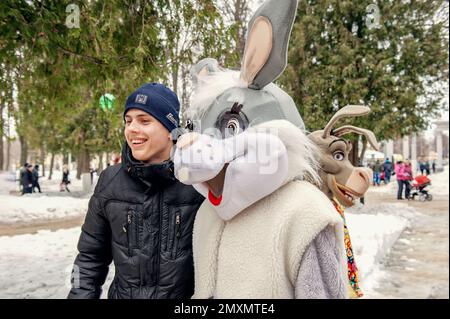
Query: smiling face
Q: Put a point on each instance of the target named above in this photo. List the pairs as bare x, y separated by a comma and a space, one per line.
149, 140
341, 179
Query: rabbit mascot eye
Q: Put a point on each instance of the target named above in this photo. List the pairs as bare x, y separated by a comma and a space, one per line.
266, 230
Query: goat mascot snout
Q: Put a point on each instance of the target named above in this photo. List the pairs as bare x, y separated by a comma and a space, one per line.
342, 182
266, 230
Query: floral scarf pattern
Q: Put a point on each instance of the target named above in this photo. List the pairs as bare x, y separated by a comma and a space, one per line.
355, 291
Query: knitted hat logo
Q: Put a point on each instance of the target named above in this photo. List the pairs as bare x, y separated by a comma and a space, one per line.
141, 99
172, 119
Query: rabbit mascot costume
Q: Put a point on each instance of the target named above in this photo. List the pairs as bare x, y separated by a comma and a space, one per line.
266, 230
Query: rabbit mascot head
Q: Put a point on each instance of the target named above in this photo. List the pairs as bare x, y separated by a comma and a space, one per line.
248, 133
248, 155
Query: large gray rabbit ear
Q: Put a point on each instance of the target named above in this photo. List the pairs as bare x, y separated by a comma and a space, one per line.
204, 67
266, 47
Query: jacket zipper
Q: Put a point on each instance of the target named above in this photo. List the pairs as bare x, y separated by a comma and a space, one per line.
126, 228
177, 234
161, 208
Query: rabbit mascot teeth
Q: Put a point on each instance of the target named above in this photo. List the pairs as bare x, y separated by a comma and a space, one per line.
342, 182
265, 230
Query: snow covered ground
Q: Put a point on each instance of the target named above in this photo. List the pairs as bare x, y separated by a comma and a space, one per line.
29, 208
39, 266
373, 231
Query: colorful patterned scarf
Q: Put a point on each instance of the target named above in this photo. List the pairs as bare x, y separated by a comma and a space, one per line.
355, 291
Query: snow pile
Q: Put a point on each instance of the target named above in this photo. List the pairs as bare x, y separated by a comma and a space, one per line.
439, 183
8, 183
31, 207
373, 231
39, 266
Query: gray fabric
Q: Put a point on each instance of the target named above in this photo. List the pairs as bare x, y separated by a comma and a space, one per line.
282, 15
320, 275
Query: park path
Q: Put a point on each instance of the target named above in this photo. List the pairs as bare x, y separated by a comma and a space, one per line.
417, 265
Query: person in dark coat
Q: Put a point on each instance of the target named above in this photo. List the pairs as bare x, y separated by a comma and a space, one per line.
21, 175
36, 178
65, 179
427, 167
376, 173
27, 180
387, 168
140, 216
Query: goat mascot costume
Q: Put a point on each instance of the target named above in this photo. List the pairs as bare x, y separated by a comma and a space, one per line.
341, 181
266, 230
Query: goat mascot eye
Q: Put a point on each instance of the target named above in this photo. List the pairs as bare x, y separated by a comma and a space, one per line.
232, 122
339, 156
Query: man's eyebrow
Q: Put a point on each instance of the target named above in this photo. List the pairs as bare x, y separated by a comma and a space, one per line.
338, 140
139, 115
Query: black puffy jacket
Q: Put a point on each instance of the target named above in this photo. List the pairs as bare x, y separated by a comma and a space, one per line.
140, 217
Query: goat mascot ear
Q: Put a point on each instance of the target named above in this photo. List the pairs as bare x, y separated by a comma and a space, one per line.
266, 48
204, 67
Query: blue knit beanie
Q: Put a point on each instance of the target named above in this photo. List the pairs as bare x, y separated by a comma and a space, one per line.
158, 101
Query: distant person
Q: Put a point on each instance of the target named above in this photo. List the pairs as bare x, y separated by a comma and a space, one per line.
407, 178
36, 179
387, 168
399, 168
27, 180
21, 176
422, 167
376, 173
433, 167
91, 172
65, 179
427, 167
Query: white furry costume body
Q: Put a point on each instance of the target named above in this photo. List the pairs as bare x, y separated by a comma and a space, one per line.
261, 253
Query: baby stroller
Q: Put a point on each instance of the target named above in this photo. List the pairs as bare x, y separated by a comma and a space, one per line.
418, 188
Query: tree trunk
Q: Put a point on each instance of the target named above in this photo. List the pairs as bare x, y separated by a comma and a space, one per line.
175, 77
1, 136
353, 156
100, 162
1, 149
85, 168
8, 153
83, 162
23, 150
52, 161
363, 151
79, 160
42, 159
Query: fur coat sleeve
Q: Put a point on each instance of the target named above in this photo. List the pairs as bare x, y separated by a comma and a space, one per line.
320, 276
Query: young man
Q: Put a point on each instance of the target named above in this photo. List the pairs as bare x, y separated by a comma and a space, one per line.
140, 216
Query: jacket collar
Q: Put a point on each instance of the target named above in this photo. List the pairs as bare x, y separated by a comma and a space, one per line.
153, 175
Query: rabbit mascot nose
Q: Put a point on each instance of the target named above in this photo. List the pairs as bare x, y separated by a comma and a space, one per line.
255, 163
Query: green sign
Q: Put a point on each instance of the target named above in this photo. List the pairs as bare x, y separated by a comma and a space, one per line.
107, 101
